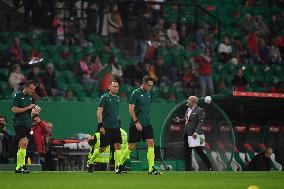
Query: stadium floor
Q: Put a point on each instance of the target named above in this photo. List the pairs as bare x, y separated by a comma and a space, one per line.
137, 180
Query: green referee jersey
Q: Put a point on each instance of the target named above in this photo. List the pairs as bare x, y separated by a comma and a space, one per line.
141, 100
110, 105
21, 100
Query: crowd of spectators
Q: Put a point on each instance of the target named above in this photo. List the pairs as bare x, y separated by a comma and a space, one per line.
258, 41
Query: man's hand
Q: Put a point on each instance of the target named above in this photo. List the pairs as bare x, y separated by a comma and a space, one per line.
30, 106
194, 135
138, 126
102, 131
176, 119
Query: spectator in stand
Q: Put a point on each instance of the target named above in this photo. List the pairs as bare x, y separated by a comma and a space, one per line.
189, 80
248, 24
261, 26
41, 131
49, 80
239, 51
143, 34
114, 22
58, 26
274, 54
239, 82
162, 72
97, 67
116, 70
160, 33
16, 78
6, 140
280, 43
35, 76
173, 35
200, 36
203, 66
183, 34
274, 26
225, 51
92, 18
86, 70
17, 56
263, 50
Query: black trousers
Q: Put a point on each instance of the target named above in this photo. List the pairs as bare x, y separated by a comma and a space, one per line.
188, 155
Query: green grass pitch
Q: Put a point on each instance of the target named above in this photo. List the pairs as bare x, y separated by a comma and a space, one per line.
137, 180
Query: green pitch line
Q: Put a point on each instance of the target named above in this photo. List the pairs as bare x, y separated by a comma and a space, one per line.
141, 180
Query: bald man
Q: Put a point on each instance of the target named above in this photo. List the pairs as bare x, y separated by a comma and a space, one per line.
193, 120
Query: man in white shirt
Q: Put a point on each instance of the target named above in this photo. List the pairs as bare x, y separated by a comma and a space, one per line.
193, 120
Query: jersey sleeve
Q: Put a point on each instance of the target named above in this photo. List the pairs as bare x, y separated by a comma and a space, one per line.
102, 101
133, 98
16, 101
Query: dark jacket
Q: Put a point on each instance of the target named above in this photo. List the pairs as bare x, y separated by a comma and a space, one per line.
195, 122
260, 163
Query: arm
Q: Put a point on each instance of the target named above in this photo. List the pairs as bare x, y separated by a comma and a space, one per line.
100, 120
100, 114
201, 116
134, 118
17, 110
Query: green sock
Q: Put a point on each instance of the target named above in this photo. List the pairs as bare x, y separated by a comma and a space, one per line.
125, 154
95, 155
117, 156
21, 155
151, 158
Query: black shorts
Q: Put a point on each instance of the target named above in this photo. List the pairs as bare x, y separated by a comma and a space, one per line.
111, 136
136, 136
22, 131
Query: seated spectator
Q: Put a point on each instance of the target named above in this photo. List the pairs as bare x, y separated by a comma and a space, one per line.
239, 51
239, 82
160, 33
274, 54
162, 72
6, 140
116, 70
41, 132
225, 51
49, 81
35, 76
189, 81
261, 162
86, 70
96, 66
173, 35
203, 65
16, 78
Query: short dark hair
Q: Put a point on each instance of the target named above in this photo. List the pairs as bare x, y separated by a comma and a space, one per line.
5, 118
147, 78
30, 82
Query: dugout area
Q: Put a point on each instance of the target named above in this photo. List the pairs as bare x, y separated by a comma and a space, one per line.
236, 128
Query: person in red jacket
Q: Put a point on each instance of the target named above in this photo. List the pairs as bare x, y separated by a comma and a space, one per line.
203, 67
41, 131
